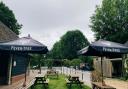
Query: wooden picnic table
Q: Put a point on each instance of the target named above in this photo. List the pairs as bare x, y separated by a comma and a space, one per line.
52, 73
74, 76
74, 79
98, 85
41, 80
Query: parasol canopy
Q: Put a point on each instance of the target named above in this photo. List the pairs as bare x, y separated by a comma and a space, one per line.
104, 48
24, 44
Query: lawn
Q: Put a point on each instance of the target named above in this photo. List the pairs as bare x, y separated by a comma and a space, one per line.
59, 83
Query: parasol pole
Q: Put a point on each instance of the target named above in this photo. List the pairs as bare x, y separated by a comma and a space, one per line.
25, 76
102, 71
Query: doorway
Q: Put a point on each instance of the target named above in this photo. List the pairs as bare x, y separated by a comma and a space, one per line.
4, 59
117, 68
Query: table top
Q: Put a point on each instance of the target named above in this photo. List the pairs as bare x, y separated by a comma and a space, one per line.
74, 75
40, 75
99, 84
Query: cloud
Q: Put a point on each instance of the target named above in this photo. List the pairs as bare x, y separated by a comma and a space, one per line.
48, 20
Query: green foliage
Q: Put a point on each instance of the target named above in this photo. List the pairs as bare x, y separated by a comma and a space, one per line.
126, 69
49, 63
110, 21
8, 18
67, 63
73, 62
55, 53
37, 60
68, 46
76, 62
87, 59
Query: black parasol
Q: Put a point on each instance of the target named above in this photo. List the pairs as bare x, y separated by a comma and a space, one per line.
24, 44
104, 48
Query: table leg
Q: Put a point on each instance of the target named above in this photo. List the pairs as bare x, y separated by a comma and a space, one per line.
70, 86
93, 86
80, 86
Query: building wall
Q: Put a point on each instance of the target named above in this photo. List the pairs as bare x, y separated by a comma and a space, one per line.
18, 71
19, 67
107, 67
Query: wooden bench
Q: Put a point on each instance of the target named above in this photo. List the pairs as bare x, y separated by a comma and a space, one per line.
98, 85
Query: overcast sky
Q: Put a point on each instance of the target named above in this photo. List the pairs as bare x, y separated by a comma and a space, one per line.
47, 20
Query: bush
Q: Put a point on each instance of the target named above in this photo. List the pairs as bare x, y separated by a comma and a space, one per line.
75, 62
96, 76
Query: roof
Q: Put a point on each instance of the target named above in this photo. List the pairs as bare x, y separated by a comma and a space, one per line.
6, 34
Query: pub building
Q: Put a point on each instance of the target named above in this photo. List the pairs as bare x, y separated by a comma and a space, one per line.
14, 55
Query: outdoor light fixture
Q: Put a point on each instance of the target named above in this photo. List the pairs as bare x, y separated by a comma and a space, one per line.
14, 63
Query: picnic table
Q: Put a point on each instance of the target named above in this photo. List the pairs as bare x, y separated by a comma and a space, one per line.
52, 73
98, 85
74, 79
41, 80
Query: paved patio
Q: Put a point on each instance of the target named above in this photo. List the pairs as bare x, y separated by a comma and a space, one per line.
118, 84
19, 84
83, 75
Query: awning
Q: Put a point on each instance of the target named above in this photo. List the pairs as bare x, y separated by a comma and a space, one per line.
24, 44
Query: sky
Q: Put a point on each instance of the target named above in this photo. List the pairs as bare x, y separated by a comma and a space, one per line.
48, 20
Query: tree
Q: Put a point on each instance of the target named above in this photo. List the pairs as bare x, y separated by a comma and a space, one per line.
71, 42
8, 18
55, 53
68, 45
110, 21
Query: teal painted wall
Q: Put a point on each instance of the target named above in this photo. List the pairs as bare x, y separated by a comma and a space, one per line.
19, 64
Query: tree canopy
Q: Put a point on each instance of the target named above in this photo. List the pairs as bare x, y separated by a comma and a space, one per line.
68, 45
110, 21
8, 18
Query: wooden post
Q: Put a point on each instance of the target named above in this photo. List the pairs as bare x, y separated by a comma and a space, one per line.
102, 71
29, 66
10, 69
26, 68
123, 70
63, 69
70, 70
75, 69
40, 67
67, 70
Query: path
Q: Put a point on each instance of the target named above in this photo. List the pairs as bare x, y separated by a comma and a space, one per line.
118, 84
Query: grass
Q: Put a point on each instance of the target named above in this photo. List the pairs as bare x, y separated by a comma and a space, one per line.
59, 83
